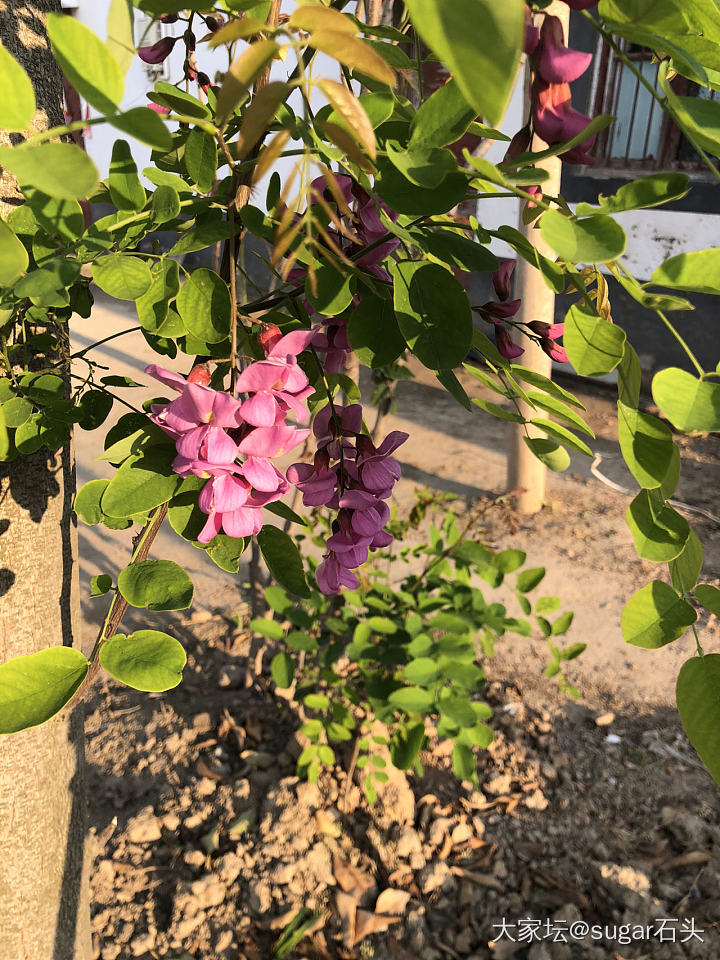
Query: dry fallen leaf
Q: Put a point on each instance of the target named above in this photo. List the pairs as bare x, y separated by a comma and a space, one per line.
346, 907
693, 857
481, 879
392, 901
352, 879
367, 923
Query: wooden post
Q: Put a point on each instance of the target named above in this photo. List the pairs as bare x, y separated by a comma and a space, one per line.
525, 472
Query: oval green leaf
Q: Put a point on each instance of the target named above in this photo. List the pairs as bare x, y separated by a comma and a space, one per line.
146, 660
688, 402
121, 276
156, 584
411, 699
655, 616
86, 62
17, 107
659, 532
58, 169
697, 271
283, 559
36, 687
594, 346
698, 700
282, 669
13, 255
588, 240
432, 312
480, 42
204, 305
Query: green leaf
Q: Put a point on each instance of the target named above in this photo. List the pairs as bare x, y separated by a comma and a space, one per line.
146, 660
333, 291
374, 334
283, 559
13, 256
698, 700
508, 561
689, 404
100, 585
48, 285
143, 125
382, 625
558, 432
421, 671
442, 119
141, 484
86, 62
165, 204
126, 191
87, 502
121, 276
424, 166
4, 438
205, 307
543, 383
120, 33
17, 107
655, 616
156, 584
709, 597
298, 640
58, 169
685, 569
152, 306
527, 580
406, 197
555, 457
594, 346
411, 699
457, 709
640, 194
480, 42
267, 628
34, 688
659, 532
200, 159
697, 271
432, 312
559, 409
61, 217
646, 444
282, 669
453, 249
562, 624
590, 240
463, 762
701, 118
225, 552
406, 744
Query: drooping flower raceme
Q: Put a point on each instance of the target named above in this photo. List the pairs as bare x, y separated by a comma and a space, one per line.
232, 441
556, 66
348, 474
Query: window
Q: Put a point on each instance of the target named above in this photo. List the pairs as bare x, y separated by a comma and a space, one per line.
643, 136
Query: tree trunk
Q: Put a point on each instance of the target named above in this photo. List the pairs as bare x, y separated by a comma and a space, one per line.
44, 913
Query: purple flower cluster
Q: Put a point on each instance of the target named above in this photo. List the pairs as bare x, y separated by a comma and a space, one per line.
350, 475
365, 229
556, 66
501, 310
214, 430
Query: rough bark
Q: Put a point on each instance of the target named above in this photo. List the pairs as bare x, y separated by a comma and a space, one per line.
44, 913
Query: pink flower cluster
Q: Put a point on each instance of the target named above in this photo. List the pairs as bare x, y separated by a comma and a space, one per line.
350, 475
556, 66
502, 309
212, 430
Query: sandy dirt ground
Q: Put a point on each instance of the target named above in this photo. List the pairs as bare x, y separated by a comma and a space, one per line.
206, 844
